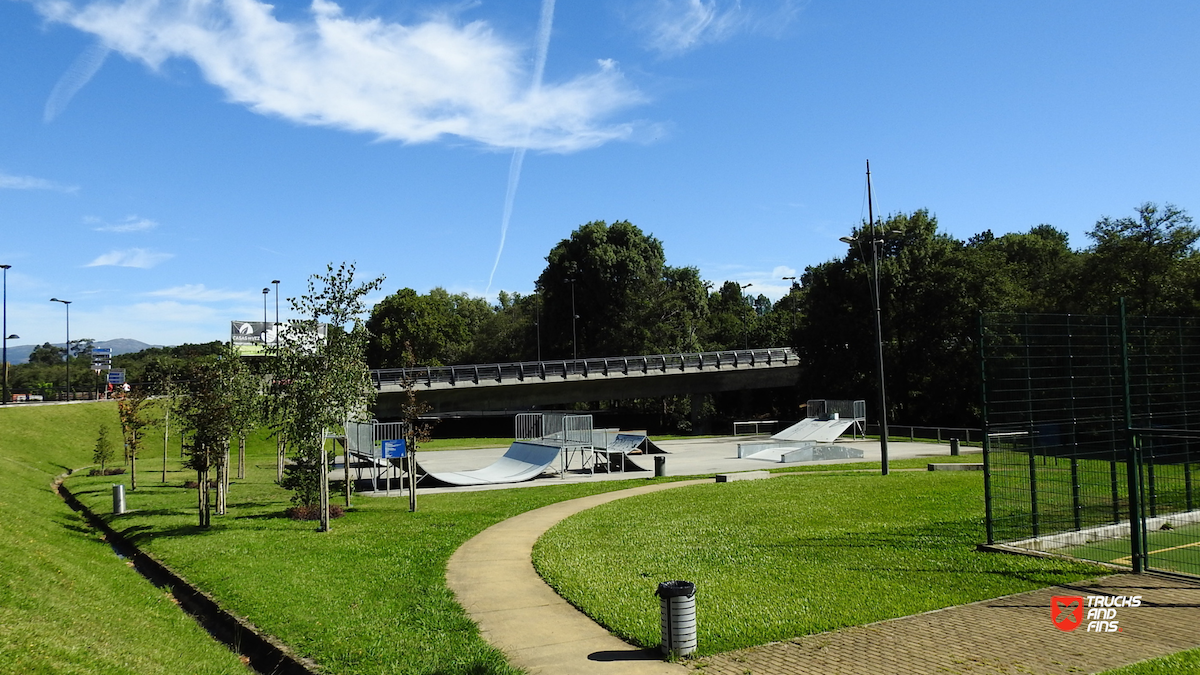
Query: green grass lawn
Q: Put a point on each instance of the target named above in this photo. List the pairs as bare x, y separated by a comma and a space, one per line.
367, 597
1181, 663
67, 603
789, 556
1174, 550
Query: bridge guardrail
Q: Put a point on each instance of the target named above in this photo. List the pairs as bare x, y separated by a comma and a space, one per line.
606, 366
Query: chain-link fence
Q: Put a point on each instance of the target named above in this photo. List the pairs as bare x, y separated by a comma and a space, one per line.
1077, 410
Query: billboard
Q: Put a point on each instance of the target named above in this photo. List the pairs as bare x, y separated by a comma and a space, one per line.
251, 338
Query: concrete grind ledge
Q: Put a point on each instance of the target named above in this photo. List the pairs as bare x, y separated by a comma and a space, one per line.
265, 653
743, 475
965, 466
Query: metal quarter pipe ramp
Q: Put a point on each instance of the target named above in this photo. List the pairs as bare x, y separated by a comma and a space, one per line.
523, 461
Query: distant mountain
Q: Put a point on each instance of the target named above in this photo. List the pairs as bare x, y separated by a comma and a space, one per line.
20, 353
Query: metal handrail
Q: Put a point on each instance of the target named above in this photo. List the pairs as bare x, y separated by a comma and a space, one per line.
618, 366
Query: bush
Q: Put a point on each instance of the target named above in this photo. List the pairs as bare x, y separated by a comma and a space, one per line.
312, 512
192, 484
106, 472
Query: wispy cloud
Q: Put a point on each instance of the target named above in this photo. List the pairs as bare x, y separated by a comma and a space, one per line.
414, 83
768, 283
82, 69
677, 26
134, 257
200, 293
10, 182
125, 225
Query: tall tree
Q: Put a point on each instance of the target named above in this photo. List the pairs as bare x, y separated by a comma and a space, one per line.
133, 410
321, 383
1145, 258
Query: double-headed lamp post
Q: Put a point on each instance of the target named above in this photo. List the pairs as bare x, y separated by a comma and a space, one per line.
264, 333
883, 427
794, 284
67, 304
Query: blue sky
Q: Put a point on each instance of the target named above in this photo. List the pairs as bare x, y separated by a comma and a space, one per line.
162, 162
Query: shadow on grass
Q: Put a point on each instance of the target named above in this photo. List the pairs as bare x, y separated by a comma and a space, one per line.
139, 534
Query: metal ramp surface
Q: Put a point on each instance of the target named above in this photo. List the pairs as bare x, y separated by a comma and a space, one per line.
816, 430
523, 461
796, 452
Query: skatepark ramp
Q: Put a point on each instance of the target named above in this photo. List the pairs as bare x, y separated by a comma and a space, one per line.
523, 461
809, 439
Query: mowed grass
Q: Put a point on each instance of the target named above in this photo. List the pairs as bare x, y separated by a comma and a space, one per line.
67, 603
367, 597
1180, 663
789, 556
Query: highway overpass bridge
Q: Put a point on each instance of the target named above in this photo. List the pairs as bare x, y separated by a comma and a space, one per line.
520, 386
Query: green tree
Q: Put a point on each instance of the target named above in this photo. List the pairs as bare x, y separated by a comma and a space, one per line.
46, 354
1148, 259
627, 300
103, 453
133, 410
204, 403
440, 327
320, 384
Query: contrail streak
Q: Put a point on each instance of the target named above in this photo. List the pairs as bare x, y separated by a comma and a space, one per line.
82, 69
514, 168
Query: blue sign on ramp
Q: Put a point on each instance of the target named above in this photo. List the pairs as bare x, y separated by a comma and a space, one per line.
393, 449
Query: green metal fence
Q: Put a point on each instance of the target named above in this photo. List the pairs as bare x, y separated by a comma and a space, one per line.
1077, 409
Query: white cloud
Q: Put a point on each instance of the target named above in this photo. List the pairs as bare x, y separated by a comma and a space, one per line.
85, 66
676, 26
134, 257
30, 183
127, 224
770, 284
200, 293
413, 83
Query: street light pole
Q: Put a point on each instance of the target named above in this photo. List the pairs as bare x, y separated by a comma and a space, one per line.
875, 243
4, 332
264, 333
793, 280
276, 282
574, 316
746, 321
537, 324
67, 304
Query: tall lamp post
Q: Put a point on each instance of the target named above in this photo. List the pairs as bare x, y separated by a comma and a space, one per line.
4, 331
7, 396
264, 333
574, 316
276, 282
67, 304
876, 241
793, 280
746, 321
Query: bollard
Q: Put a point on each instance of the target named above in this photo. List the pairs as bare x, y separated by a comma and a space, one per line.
118, 500
954, 447
677, 601
660, 466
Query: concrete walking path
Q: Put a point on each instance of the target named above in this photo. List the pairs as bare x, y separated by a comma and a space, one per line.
492, 577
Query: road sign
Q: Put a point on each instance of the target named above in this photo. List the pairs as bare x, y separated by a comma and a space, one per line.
393, 449
101, 358
116, 376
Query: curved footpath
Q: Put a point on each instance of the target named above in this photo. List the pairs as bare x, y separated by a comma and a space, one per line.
493, 578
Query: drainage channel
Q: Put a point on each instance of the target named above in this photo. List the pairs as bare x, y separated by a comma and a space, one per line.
263, 653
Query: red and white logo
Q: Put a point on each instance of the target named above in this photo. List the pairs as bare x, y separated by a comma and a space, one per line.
1066, 611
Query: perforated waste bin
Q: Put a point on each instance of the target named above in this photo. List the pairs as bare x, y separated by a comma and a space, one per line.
118, 499
677, 600
660, 465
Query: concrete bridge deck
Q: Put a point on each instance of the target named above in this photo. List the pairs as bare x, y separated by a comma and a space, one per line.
516, 386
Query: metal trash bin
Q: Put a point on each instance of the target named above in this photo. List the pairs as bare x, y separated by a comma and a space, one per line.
677, 601
660, 466
118, 499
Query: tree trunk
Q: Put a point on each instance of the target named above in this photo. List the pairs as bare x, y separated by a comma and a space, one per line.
279, 452
222, 470
324, 489
202, 496
166, 436
242, 456
412, 473
346, 468
133, 470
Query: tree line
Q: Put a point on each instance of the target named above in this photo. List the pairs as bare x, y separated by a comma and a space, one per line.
624, 299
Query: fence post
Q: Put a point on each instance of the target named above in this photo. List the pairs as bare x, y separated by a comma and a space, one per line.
1076, 507
1133, 466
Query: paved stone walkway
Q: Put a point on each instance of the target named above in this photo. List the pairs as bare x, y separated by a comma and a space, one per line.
492, 576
